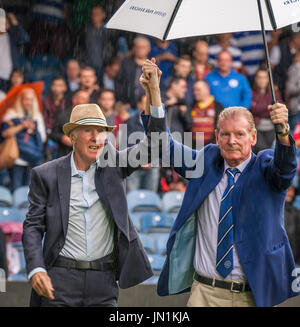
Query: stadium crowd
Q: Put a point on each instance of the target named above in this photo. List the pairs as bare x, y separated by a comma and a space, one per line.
65, 45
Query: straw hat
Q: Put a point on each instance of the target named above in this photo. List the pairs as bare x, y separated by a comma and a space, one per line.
88, 115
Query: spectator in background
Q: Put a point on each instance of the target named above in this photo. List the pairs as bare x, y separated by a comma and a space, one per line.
171, 181
165, 53
72, 75
146, 177
200, 59
111, 71
127, 86
55, 102
57, 135
228, 86
204, 113
28, 126
252, 48
88, 83
224, 42
182, 69
293, 91
292, 223
107, 102
282, 59
178, 114
16, 78
48, 32
261, 99
96, 41
10, 44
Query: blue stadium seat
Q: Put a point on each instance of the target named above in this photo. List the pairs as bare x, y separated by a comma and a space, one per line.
135, 220
11, 214
152, 222
143, 200
148, 243
6, 199
20, 197
172, 215
157, 261
160, 240
171, 201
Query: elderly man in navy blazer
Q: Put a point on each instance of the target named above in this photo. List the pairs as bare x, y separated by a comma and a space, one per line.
228, 245
78, 210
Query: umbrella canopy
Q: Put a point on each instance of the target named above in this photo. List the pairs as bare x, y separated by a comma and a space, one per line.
174, 19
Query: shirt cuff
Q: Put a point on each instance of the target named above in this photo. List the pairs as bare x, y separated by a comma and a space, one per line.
157, 112
38, 269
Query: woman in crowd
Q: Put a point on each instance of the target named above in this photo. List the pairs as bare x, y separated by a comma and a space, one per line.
261, 98
25, 121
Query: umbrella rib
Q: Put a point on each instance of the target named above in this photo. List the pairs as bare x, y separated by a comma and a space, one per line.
172, 19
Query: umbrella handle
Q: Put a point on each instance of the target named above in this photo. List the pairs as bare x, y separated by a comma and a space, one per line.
278, 127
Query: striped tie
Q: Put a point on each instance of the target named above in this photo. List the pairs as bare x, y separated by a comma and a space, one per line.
224, 262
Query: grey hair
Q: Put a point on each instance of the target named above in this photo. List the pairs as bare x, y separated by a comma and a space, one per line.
141, 38
233, 112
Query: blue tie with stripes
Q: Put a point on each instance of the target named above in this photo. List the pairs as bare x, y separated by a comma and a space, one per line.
224, 262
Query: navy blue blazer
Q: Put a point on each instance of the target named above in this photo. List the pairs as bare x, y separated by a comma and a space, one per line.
258, 213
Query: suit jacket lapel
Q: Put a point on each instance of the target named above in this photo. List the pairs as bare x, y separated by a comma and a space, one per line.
64, 189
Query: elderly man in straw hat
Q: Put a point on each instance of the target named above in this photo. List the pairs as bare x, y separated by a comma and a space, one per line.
78, 208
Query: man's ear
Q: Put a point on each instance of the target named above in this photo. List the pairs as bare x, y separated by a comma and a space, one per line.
72, 138
254, 137
217, 136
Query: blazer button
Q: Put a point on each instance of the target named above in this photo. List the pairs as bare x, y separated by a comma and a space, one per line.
58, 245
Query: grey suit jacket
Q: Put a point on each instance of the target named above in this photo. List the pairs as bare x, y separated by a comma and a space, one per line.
48, 214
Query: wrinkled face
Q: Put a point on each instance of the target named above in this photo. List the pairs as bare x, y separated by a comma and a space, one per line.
235, 140
201, 91
141, 48
73, 69
106, 101
88, 142
87, 78
58, 87
27, 100
262, 79
224, 62
183, 68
